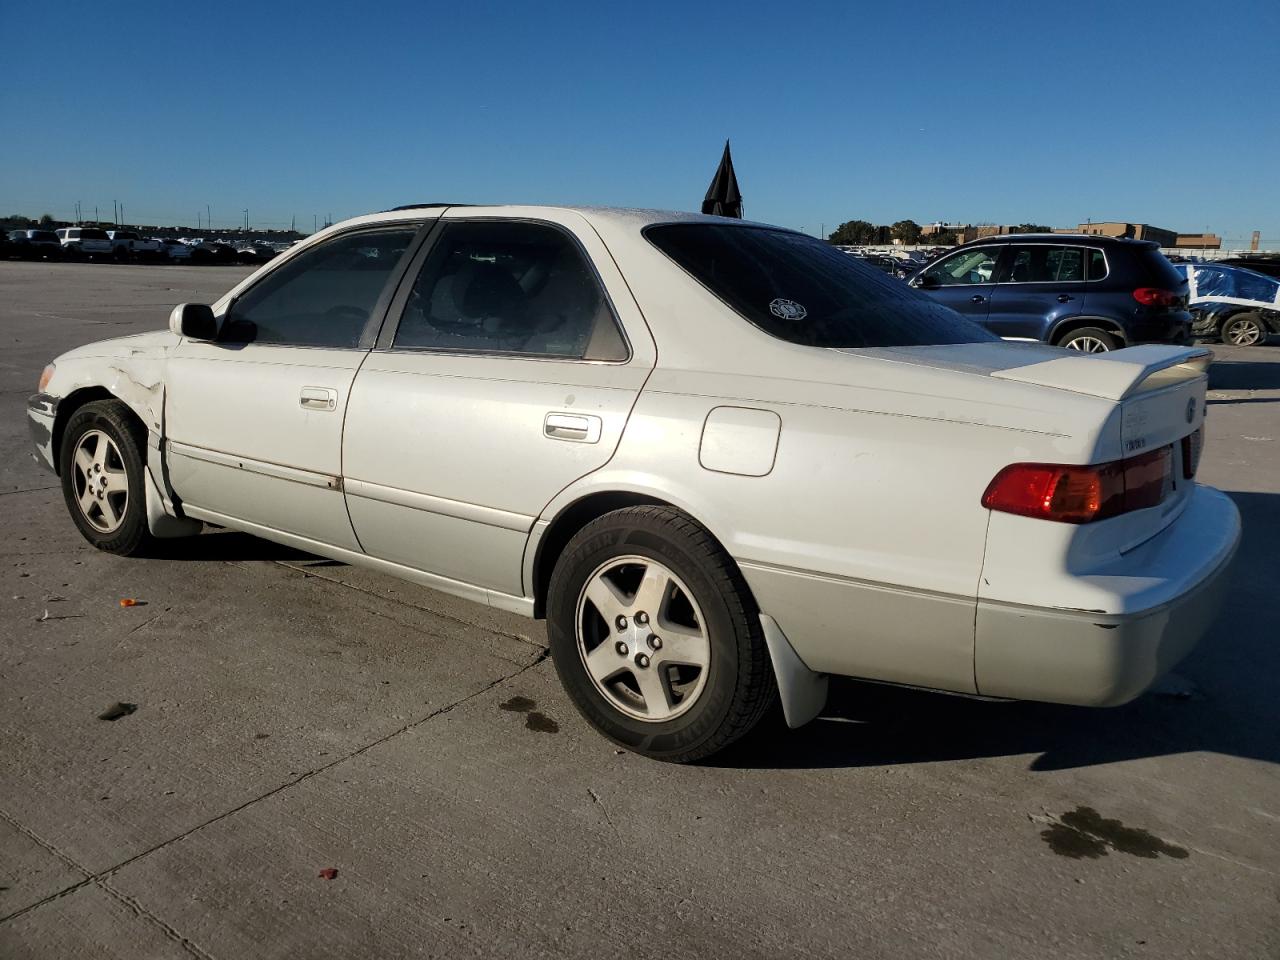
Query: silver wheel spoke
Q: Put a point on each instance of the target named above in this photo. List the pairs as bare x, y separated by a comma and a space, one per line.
117, 481
682, 644
109, 515
654, 691
84, 460
604, 662
604, 596
100, 451
87, 502
653, 591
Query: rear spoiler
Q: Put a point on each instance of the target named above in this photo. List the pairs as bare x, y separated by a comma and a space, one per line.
1118, 374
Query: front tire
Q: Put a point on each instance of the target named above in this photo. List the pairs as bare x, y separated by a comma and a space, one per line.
1244, 330
656, 637
1090, 340
101, 466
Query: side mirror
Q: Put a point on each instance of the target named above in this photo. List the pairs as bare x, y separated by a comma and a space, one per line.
194, 321
927, 282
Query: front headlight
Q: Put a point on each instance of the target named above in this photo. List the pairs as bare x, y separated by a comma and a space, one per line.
45, 376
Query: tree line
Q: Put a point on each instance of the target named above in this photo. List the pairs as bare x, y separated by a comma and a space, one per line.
858, 233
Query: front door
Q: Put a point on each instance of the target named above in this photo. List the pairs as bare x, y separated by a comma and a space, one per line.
963, 281
1040, 285
515, 362
253, 420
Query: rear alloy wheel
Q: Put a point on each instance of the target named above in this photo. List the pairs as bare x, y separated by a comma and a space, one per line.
101, 468
1244, 330
656, 637
1089, 340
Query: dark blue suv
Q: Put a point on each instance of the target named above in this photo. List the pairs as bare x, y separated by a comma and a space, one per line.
1084, 292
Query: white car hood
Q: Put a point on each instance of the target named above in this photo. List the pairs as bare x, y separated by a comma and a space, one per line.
156, 344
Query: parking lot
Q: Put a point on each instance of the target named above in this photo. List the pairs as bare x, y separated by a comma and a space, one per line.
296, 716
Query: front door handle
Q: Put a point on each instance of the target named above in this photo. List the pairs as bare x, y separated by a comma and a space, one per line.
977, 298
572, 426
318, 398
1065, 298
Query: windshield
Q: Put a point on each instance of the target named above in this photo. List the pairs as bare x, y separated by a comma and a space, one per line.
805, 291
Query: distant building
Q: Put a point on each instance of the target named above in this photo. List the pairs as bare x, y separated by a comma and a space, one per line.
1135, 231
1203, 241
967, 233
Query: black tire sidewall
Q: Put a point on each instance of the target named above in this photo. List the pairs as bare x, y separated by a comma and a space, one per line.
111, 417
626, 536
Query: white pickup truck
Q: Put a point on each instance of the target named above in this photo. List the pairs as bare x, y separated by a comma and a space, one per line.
126, 243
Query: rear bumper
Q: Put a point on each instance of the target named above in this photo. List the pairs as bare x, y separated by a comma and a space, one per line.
1099, 659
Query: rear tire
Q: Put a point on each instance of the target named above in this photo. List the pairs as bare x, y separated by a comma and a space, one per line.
661, 700
101, 467
1245, 330
1090, 340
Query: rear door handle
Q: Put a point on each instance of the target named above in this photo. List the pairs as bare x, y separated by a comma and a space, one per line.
977, 298
318, 398
1065, 298
572, 426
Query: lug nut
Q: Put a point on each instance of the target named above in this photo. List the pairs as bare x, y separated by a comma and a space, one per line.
622, 623
642, 660
642, 618
621, 648
655, 642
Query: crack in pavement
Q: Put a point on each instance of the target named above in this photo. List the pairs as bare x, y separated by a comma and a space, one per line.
101, 883
102, 876
7, 493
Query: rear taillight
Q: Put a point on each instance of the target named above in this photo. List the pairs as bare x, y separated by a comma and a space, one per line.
1069, 493
1192, 443
1155, 297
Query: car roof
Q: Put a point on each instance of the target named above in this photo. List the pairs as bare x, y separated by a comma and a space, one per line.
1092, 240
615, 216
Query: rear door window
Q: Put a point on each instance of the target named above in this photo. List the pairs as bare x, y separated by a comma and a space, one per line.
805, 291
1045, 263
510, 287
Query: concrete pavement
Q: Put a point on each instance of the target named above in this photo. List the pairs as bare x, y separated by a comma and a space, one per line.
296, 715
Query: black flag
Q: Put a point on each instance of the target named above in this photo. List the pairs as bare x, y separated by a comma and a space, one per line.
723, 198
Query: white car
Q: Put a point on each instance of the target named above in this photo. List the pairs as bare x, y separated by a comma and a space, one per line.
174, 249
722, 459
84, 241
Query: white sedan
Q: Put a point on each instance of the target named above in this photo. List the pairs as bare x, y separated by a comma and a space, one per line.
723, 460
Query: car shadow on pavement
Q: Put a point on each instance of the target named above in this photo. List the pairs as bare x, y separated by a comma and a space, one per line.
231, 545
1244, 375
1224, 699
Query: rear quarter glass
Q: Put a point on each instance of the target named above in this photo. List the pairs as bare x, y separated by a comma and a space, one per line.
1155, 270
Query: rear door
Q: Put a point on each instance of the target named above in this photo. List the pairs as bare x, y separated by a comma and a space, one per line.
963, 281
512, 358
254, 419
1040, 285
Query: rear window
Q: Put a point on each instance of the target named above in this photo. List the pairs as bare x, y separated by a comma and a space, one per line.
94, 235
43, 235
805, 291
1155, 270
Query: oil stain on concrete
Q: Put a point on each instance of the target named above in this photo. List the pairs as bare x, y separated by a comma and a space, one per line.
533, 719
1084, 833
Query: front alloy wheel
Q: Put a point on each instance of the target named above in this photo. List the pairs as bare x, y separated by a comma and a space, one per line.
101, 465
100, 481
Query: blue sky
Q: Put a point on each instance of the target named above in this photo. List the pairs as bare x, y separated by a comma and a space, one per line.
1165, 112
